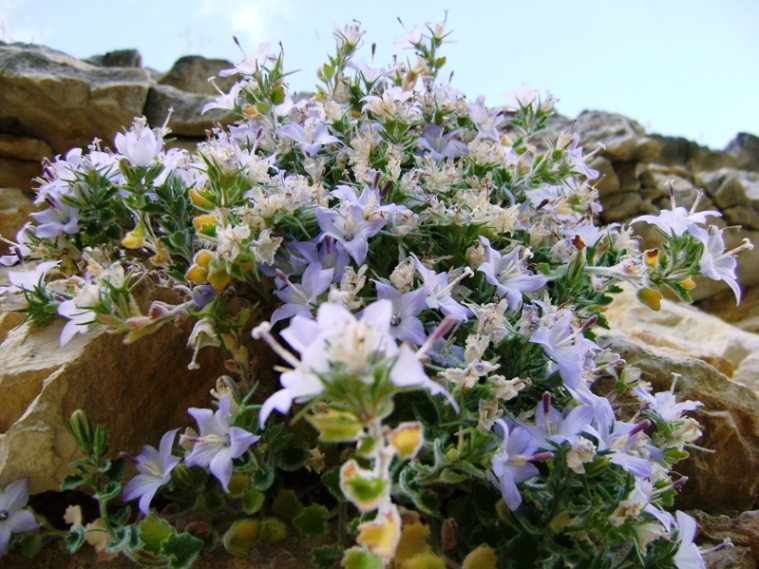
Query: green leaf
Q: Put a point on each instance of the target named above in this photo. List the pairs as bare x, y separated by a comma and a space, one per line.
75, 538
325, 556
31, 543
71, 481
287, 505
273, 530
312, 521
331, 479
252, 500
242, 536
113, 469
359, 558
121, 516
263, 478
111, 490
292, 458
181, 549
153, 531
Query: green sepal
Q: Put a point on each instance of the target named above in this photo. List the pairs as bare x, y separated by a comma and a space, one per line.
360, 558
75, 538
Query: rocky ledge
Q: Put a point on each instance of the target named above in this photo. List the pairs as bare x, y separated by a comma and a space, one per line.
50, 102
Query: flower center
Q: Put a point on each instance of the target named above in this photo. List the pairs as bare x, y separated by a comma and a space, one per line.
395, 320
4, 514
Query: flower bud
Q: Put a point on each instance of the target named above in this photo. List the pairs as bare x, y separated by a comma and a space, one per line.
196, 274
362, 487
650, 297
201, 220
199, 200
688, 284
382, 534
219, 279
407, 439
336, 426
81, 427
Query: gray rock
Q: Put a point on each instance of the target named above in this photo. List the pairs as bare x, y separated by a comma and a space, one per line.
53, 97
623, 139
186, 119
118, 58
730, 421
745, 149
191, 73
678, 151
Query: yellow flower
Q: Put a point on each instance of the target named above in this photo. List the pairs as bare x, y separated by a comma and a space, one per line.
407, 439
382, 534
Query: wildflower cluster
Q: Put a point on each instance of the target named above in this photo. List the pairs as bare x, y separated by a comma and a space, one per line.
438, 279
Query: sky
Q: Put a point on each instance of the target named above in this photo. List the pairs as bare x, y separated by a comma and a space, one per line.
679, 67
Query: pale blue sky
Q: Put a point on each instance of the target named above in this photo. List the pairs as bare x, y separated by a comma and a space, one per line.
679, 67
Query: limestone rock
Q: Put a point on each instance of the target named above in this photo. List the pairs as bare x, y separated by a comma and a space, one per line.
742, 530
65, 102
15, 207
117, 58
623, 139
730, 187
18, 173
186, 119
745, 149
678, 151
685, 331
191, 73
22, 148
122, 386
744, 316
607, 182
730, 421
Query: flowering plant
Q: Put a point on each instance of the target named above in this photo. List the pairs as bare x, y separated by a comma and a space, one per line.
438, 279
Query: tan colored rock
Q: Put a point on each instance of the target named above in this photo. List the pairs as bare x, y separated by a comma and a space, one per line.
742, 530
607, 182
678, 151
685, 331
19, 173
721, 477
15, 207
186, 119
623, 139
139, 391
65, 102
23, 148
191, 73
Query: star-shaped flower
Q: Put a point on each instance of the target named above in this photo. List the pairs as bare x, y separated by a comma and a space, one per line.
13, 517
218, 443
154, 467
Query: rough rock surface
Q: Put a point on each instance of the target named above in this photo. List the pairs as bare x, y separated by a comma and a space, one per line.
730, 421
50, 102
65, 102
191, 73
121, 386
